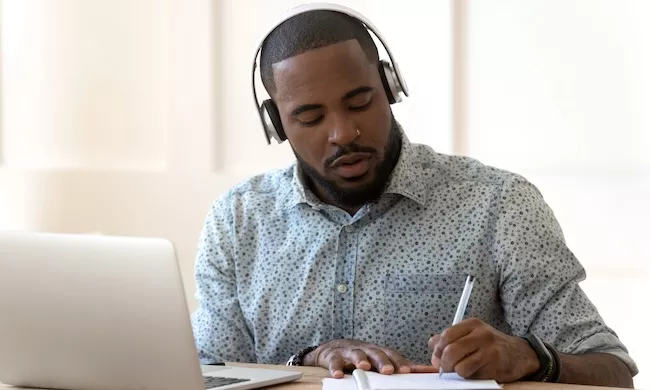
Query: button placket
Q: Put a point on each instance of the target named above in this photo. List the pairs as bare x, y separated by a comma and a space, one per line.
344, 287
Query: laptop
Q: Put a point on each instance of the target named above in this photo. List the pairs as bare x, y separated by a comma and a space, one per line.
101, 312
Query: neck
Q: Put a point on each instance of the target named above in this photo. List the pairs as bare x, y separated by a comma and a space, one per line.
322, 194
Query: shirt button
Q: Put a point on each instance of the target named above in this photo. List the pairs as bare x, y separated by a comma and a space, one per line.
349, 228
342, 288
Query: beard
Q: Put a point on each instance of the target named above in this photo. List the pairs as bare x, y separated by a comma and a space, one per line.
370, 192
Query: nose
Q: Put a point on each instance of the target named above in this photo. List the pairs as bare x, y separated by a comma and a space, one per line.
343, 131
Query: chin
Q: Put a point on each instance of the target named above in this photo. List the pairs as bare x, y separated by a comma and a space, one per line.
356, 182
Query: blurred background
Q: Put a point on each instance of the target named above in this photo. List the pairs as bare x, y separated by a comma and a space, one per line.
130, 117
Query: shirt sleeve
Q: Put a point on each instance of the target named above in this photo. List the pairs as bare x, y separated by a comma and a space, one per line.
218, 324
540, 278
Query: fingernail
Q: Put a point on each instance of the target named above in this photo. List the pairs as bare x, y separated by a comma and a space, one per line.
388, 369
338, 374
405, 369
366, 365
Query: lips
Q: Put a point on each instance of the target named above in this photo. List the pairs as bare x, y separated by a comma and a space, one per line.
352, 165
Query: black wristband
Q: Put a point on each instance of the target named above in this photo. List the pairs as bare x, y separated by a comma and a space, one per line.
296, 359
547, 361
555, 376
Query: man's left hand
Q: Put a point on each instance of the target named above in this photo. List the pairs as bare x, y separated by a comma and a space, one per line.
475, 350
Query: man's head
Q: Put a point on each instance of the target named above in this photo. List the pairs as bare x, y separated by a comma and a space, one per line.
321, 69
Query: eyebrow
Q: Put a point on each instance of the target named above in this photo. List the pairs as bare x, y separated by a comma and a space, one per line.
357, 91
305, 107
349, 95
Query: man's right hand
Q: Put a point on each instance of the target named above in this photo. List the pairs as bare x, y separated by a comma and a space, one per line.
339, 356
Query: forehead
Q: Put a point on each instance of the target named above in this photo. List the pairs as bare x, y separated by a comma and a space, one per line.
330, 70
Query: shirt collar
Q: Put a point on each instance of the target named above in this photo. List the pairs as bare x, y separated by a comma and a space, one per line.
405, 180
407, 177
297, 192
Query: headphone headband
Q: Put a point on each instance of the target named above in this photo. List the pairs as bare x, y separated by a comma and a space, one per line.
323, 7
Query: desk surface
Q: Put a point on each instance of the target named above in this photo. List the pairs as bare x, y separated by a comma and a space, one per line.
312, 380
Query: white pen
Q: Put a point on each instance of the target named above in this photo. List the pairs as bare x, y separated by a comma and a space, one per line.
462, 305
361, 378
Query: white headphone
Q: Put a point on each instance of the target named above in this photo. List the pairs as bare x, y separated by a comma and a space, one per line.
391, 77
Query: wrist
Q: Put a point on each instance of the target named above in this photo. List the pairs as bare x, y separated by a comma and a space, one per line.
547, 369
530, 361
300, 358
311, 358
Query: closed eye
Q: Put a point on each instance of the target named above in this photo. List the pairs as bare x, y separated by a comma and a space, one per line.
313, 122
362, 107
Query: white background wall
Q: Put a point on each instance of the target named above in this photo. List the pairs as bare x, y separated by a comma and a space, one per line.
559, 91
131, 116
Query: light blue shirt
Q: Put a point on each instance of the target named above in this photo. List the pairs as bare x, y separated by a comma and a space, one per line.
278, 270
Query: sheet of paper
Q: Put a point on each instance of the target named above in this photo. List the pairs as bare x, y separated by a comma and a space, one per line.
449, 381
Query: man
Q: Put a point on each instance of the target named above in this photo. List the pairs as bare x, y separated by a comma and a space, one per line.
356, 255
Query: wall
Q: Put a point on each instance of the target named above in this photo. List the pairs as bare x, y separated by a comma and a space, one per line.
559, 92
131, 117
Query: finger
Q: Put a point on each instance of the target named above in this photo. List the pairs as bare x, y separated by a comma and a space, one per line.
454, 333
423, 368
380, 361
431, 344
459, 350
401, 364
336, 364
435, 362
358, 359
471, 366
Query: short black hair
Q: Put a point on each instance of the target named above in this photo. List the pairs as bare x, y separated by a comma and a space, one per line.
311, 30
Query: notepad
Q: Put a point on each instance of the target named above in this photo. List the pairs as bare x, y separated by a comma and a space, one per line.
449, 381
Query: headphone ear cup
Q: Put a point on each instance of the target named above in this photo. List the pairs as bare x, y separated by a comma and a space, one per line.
390, 82
272, 122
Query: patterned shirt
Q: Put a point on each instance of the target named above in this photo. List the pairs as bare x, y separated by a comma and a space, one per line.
278, 270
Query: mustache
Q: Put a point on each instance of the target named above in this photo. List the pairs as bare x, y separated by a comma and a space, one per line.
348, 149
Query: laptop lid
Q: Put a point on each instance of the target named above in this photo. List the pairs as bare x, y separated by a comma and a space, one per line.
94, 312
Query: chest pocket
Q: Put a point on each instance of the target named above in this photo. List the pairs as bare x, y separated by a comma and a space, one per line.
418, 306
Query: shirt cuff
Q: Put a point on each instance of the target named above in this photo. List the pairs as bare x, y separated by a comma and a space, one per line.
605, 343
